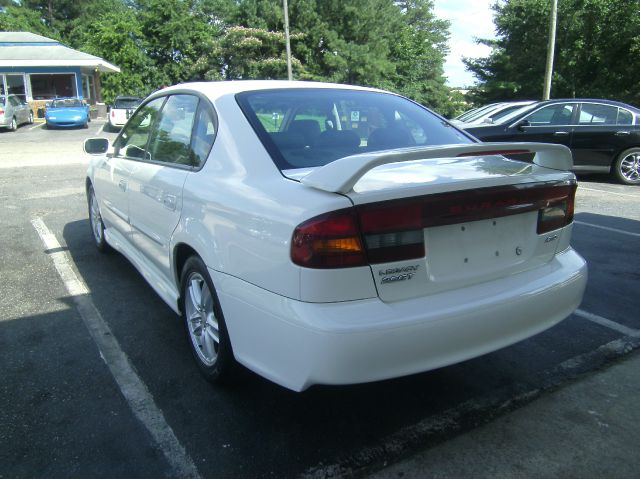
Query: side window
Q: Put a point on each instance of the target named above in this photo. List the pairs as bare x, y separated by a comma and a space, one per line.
625, 117
133, 140
14, 101
204, 132
171, 139
592, 114
552, 115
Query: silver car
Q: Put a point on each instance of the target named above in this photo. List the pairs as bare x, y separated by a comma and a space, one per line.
14, 111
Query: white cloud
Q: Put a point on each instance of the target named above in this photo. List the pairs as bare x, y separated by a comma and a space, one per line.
469, 19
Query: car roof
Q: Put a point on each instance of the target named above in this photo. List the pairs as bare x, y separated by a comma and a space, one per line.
128, 98
588, 100
217, 89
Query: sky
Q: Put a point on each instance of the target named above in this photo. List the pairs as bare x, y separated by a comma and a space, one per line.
469, 19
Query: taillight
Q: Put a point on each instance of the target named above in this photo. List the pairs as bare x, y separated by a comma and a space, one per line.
113, 113
558, 211
331, 240
392, 232
1, 112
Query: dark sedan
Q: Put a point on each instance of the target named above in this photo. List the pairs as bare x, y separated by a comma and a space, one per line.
603, 135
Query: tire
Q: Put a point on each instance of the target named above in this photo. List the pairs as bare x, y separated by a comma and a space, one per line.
626, 169
30, 121
96, 224
209, 343
14, 124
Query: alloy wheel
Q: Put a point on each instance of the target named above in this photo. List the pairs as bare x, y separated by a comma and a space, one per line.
204, 330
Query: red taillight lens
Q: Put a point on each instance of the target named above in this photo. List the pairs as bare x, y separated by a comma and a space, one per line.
113, 114
1, 112
558, 212
392, 232
331, 240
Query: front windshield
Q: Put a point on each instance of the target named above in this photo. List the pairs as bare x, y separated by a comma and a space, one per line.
68, 103
513, 114
312, 127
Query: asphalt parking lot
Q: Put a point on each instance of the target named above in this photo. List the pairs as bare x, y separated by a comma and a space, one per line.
98, 380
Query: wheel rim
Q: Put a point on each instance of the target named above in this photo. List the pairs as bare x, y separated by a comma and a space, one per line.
630, 167
201, 319
14, 125
30, 117
96, 220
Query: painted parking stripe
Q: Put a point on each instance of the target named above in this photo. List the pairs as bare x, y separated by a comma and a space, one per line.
130, 384
606, 228
608, 192
39, 125
607, 323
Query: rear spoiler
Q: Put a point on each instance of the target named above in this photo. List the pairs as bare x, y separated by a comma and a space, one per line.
341, 175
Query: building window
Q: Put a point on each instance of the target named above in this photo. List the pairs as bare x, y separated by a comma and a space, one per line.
89, 87
13, 85
56, 85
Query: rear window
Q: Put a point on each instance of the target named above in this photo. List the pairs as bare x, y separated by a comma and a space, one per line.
312, 127
127, 103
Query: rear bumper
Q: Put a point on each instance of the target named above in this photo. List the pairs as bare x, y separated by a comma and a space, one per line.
298, 344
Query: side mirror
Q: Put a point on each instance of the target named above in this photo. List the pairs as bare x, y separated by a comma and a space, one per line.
96, 146
523, 124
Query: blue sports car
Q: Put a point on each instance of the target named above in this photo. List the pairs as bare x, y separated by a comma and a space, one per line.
67, 112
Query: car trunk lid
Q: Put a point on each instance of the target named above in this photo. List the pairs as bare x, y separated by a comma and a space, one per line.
441, 223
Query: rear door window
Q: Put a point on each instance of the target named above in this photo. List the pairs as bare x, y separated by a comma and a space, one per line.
171, 139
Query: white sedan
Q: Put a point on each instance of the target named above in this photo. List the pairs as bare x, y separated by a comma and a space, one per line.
331, 234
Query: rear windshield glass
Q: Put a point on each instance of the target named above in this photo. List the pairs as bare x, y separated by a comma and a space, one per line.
127, 103
312, 127
2, 101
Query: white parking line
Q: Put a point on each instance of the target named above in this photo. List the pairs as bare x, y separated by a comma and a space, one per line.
130, 384
608, 192
607, 323
606, 228
39, 125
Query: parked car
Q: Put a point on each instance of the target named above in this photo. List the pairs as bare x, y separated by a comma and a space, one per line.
332, 234
122, 108
494, 114
603, 135
463, 116
67, 112
14, 111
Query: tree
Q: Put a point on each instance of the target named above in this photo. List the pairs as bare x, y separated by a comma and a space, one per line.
597, 51
117, 36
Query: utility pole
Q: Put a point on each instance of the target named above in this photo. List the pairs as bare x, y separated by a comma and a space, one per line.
286, 38
550, 50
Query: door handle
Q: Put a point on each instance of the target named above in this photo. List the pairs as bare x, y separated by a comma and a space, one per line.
169, 201
622, 133
122, 184
561, 133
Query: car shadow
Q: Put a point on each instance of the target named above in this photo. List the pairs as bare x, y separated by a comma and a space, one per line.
355, 426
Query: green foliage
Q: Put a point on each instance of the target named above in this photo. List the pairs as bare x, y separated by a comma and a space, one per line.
397, 45
597, 51
117, 36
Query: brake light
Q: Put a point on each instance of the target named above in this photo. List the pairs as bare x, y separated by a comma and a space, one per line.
113, 114
558, 212
392, 231
331, 240
1, 112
